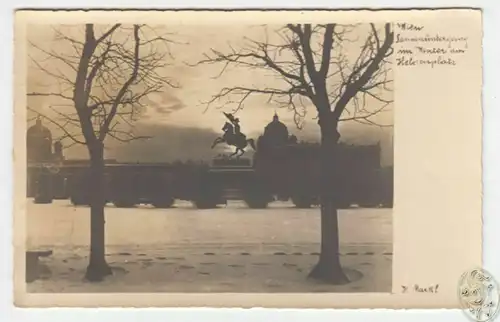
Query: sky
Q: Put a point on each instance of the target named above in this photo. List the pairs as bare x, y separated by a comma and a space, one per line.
178, 119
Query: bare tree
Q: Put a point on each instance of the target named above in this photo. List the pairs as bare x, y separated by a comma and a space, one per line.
102, 81
315, 63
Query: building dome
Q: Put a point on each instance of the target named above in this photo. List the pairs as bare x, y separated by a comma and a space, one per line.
38, 143
276, 132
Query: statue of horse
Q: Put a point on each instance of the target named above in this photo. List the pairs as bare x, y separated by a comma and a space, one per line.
239, 140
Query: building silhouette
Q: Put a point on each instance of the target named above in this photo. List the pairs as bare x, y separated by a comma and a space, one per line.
58, 151
275, 133
39, 143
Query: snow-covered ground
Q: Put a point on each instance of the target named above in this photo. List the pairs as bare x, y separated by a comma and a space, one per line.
229, 249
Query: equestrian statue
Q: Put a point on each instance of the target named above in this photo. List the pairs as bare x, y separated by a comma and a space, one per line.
233, 136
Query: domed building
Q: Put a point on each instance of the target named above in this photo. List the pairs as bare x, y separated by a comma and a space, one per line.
275, 133
38, 143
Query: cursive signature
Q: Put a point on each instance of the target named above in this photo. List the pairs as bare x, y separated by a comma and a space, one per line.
419, 289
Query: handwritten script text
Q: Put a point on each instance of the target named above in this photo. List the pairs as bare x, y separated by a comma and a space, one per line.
419, 47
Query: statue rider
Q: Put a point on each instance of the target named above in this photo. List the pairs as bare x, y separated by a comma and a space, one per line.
236, 123
237, 127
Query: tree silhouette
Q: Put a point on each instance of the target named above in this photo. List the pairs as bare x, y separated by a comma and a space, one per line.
101, 82
337, 69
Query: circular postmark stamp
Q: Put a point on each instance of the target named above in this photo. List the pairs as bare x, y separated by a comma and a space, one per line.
479, 295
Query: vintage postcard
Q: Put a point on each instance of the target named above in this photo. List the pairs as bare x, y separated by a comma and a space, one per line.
301, 159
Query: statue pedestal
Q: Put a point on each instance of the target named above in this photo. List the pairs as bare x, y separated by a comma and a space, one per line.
232, 162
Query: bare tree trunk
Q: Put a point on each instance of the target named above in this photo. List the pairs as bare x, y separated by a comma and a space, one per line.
98, 268
328, 268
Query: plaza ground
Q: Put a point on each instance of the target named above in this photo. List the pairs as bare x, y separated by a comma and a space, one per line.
229, 249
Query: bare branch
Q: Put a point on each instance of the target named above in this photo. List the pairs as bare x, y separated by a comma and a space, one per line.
107, 33
105, 126
355, 84
50, 94
93, 71
305, 42
58, 57
318, 70
366, 116
327, 49
109, 81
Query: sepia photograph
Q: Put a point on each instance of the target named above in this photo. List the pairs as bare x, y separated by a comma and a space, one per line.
202, 158
298, 159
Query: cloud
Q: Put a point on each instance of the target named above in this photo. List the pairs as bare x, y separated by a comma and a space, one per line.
168, 143
160, 105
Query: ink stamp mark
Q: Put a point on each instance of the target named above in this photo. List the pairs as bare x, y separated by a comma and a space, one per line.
479, 295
